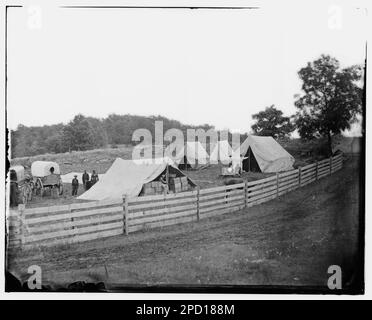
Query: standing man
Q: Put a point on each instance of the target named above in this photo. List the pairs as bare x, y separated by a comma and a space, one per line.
242, 158
85, 179
94, 178
75, 185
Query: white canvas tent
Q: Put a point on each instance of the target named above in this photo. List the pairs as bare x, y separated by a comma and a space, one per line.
222, 152
127, 177
265, 154
193, 154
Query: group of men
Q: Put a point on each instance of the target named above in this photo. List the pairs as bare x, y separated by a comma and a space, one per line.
88, 182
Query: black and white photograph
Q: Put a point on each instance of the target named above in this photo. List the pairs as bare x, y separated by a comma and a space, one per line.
184, 147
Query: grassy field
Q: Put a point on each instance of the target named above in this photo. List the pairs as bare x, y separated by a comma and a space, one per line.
99, 160
291, 240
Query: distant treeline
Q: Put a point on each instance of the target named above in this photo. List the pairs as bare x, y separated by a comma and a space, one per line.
86, 133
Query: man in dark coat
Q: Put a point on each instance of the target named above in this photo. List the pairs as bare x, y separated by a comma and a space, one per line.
75, 185
85, 179
94, 178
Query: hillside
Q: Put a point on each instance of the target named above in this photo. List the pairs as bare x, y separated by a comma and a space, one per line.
99, 159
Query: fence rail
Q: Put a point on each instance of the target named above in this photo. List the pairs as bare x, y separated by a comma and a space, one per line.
48, 226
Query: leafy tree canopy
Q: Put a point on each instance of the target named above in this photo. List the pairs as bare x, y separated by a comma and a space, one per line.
271, 122
331, 98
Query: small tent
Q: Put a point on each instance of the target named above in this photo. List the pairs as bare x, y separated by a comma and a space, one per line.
264, 154
128, 177
222, 152
192, 155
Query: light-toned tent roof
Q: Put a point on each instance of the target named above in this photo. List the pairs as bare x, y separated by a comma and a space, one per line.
195, 154
270, 155
42, 168
126, 177
221, 152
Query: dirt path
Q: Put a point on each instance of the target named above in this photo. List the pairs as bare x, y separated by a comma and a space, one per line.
288, 241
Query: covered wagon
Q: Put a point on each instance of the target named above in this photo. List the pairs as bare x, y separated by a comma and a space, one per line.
46, 175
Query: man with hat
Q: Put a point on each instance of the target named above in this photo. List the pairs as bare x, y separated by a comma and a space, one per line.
75, 185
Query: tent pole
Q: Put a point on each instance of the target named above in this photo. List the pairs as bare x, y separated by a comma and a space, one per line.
249, 160
167, 175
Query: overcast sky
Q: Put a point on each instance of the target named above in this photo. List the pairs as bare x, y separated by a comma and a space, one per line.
196, 66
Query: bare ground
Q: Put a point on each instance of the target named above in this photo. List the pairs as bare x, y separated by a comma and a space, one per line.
291, 240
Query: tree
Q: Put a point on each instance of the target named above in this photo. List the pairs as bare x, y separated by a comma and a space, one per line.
271, 122
331, 99
84, 133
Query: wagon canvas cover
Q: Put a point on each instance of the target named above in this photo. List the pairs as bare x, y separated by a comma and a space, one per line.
126, 177
20, 171
270, 155
42, 168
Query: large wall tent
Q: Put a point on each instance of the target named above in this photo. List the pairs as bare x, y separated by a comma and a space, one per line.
264, 154
134, 178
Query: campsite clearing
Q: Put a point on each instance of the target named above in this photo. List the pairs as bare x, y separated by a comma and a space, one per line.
205, 178
101, 160
291, 240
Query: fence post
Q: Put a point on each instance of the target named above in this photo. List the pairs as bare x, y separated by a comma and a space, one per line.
125, 207
330, 165
72, 218
22, 225
246, 194
316, 177
277, 184
299, 176
197, 203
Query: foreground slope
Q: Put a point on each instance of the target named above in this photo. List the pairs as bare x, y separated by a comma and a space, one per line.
288, 241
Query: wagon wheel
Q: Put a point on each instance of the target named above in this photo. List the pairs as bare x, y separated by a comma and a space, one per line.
60, 189
39, 187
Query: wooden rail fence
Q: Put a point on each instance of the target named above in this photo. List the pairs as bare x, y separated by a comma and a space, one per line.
48, 226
